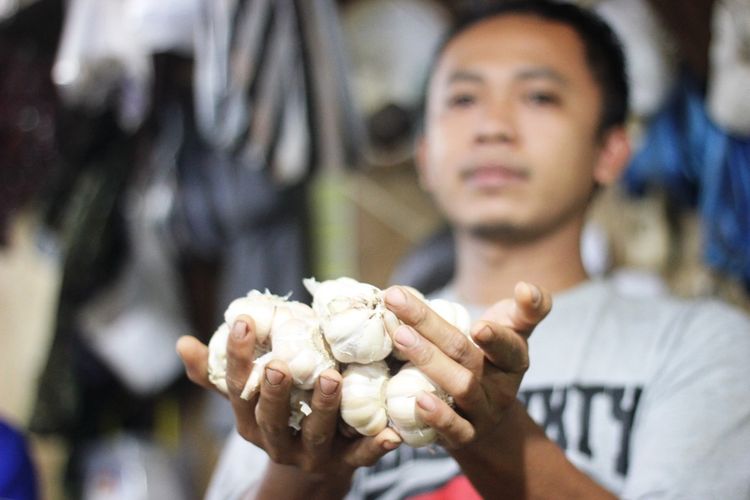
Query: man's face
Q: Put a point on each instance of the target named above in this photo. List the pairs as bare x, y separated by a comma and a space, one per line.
511, 147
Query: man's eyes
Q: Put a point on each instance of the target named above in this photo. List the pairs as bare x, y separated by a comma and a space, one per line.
542, 98
536, 98
461, 100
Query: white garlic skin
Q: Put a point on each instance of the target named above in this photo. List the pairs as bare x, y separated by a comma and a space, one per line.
351, 316
217, 358
252, 385
299, 404
267, 310
401, 403
363, 397
300, 344
454, 313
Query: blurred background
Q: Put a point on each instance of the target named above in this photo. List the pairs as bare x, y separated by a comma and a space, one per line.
158, 159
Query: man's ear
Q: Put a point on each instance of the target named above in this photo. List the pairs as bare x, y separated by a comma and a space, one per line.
613, 156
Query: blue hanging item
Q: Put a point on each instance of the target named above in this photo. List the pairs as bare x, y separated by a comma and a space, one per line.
700, 165
17, 473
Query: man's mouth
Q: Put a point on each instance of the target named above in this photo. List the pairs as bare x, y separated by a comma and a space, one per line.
494, 176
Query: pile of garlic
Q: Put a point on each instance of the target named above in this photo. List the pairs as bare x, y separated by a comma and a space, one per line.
346, 328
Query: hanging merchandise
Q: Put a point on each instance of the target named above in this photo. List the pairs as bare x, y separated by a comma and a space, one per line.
728, 94
164, 26
100, 59
29, 147
105, 53
129, 467
698, 163
271, 87
9, 8
222, 210
649, 51
134, 324
390, 46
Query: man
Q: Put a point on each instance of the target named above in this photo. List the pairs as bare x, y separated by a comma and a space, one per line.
642, 397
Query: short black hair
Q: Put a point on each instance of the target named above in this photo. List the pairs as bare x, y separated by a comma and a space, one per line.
604, 52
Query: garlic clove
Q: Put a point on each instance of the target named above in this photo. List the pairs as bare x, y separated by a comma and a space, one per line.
363, 397
352, 318
299, 404
340, 293
339, 328
299, 343
418, 437
252, 385
452, 312
217, 358
401, 400
355, 336
259, 306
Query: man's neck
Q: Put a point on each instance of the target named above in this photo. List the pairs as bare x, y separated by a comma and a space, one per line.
487, 271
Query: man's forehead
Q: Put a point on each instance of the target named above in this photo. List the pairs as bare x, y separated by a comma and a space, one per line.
508, 43
513, 33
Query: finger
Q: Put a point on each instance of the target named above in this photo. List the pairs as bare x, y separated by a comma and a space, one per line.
529, 306
240, 352
194, 355
533, 303
453, 430
367, 451
273, 410
457, 380
347, 430
505, 349
416, 313
319, 428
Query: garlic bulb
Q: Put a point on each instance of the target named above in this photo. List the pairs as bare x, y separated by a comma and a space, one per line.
267, 311
401, 403
351, 316
285, 330
452, 312
348, 323
300, 344
363, 397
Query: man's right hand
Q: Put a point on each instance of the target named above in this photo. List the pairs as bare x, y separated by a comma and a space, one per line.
318, 450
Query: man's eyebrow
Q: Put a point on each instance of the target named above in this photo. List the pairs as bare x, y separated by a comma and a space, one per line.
541, 73
463, 75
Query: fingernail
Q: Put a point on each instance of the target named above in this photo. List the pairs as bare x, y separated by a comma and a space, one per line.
274, 377
426, 402
395, 297
484, 334
328, 386
536, 295
405, 336
391, 445
239, 330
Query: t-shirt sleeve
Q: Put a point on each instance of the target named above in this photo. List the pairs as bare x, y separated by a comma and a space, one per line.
692, 432
239, 467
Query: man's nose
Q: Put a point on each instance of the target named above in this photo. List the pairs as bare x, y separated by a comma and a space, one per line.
497, 124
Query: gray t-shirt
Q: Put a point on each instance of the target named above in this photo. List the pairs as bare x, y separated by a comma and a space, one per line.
650, 396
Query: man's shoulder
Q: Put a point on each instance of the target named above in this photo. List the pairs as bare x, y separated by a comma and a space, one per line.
609, 296
600, 312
